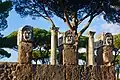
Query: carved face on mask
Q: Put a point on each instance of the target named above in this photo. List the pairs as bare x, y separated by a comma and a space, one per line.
27, 34
108, 39
69, 37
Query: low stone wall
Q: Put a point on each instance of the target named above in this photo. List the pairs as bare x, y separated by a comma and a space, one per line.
14, 71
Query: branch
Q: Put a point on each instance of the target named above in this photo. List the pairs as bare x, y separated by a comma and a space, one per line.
65, 15
86, 26
49, 19
82, 19
41, 15
92, 13
38, 13
67, 21
87, 16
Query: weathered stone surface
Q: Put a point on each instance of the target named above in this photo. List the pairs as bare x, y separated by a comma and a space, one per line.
104, 73
104, 55
49, 72
104, 52
83, 72
99, 57
24, 42
24, 72
107, 55
60, 55
55, 72
90, 60
25, 52
69, 37
69, 55
72, 72
6, 68
54, 36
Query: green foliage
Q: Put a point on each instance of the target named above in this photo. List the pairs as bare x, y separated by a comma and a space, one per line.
4, 53
118, 58
82, 56
12, 38
42, 38
40, 54
5, 8
83, 42
9, 41
117, 41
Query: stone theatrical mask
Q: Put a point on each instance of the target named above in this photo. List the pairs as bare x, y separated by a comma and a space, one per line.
27, 33
108, 39
69, 37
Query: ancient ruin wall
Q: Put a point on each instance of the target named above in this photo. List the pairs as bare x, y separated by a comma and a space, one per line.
14, 71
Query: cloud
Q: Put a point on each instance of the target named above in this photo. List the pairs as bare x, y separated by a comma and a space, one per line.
112, 28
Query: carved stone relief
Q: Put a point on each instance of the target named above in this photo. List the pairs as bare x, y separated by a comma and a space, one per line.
69, 37
25, 39
108, 39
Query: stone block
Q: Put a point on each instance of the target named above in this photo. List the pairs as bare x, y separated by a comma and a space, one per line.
24, 72
72, 72
49, 72
69, 55
25, 52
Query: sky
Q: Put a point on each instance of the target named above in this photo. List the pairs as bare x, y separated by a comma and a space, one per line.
98, 25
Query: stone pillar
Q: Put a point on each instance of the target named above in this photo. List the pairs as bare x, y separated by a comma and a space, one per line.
70, 58
91, 48
104, 52
107, 49
54, 31
25, 46
69, 54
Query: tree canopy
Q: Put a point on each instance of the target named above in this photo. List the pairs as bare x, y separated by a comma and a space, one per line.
4, 53
72, 12
9, 41
42, 38
5, 8
83, 42
117, 41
